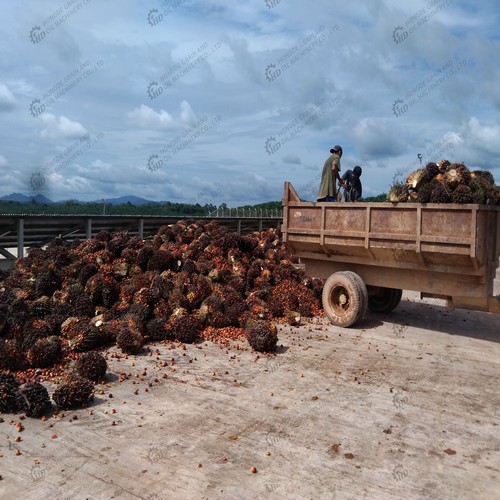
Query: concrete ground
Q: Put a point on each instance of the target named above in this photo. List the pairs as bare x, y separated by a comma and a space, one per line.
405, 405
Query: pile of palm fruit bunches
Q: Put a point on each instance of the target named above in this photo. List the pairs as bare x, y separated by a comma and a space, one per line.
192, 282
445, 182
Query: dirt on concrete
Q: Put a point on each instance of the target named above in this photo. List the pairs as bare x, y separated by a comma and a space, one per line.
404, 405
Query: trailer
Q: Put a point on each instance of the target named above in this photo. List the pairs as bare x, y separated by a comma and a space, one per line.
368, 253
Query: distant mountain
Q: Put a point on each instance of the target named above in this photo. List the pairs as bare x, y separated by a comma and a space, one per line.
21, 198
43, 200
134, 200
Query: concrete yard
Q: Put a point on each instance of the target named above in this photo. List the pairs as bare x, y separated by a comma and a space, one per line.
405, 405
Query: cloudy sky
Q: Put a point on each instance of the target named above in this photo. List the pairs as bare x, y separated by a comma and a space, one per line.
214, 101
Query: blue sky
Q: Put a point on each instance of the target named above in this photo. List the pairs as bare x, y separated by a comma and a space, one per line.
213, 101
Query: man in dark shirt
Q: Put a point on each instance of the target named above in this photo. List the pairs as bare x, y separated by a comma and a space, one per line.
353, 189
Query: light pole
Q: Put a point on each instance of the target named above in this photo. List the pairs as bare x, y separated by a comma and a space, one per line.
419, 156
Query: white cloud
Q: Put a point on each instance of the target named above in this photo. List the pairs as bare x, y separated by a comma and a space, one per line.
147, 117
7, 99
61, 127
3, 161
484, 137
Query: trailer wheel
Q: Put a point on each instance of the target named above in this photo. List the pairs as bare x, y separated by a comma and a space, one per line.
363, 307
342, 299
385, 300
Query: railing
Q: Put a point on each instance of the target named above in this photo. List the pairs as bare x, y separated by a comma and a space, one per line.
24, 231
254, 213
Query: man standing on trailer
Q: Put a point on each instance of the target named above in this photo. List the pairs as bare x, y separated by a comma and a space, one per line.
331, 174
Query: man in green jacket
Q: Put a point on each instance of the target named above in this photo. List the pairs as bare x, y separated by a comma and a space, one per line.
331, 173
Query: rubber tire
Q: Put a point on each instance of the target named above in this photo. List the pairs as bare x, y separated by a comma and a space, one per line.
386, 301
342, 299
363, 293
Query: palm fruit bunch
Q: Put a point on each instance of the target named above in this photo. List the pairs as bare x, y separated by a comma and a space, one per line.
45, 352
157, 330
82, 334
186, 328
74, 392
398, 193
92, 366
129, 336
114, 289
11, 358
262, 336
445, 182
35, 399
11, 400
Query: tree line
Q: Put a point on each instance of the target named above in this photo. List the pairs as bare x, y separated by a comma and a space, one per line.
94, 208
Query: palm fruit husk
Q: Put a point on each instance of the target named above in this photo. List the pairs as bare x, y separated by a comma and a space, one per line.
262, 336
35, 399
456, 174
74, 392
398, 193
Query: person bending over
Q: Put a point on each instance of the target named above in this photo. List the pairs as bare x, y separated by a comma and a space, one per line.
353, 190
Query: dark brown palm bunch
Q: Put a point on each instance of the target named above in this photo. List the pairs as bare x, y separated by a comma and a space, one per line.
84, 335
11, 357
74, 392
35, 400
92, 366
262, 336
440, 192
10, 397
157, 330
445, 182
129, 337
186, 328
45, 352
